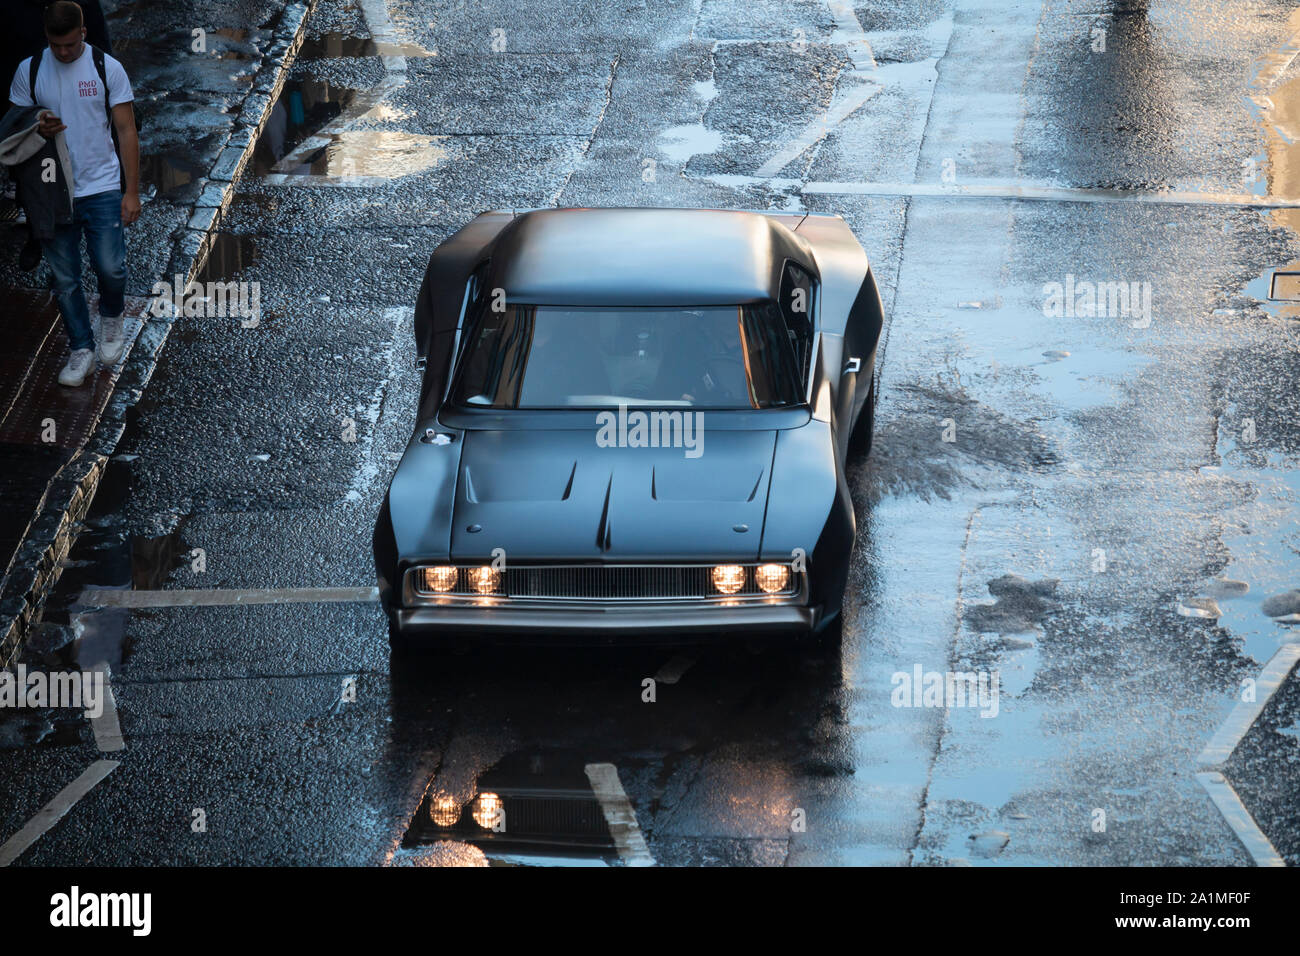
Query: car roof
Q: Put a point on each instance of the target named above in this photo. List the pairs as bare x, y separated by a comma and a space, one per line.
642, 257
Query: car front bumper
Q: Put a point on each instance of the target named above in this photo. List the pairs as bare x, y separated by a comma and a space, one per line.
602, 623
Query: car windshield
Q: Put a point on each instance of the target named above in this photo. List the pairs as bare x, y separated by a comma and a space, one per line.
562, 357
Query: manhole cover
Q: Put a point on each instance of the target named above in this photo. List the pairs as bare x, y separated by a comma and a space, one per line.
1285, 286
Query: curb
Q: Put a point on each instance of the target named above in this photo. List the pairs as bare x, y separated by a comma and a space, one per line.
38, 561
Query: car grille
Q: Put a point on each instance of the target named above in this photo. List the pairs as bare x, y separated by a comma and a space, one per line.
609, 583
549, 815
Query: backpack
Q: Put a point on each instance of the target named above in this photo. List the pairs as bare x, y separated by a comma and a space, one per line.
97, 55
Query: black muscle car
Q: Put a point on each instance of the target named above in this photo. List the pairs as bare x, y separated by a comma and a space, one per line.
633, 424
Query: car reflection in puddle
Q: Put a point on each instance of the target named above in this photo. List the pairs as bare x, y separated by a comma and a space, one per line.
532, 808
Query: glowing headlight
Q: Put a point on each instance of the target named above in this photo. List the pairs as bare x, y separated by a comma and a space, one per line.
484, 580
486, 807
728, 578
444, 810
439, 579
772, 577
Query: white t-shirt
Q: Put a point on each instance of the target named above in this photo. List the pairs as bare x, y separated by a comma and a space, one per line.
72, 91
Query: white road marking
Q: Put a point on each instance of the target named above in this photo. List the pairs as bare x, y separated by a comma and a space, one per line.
367, 473
1044, 193
384, 33
1239, 819
1006, 191
842, 104
844, 100
864, 61
1244, 715
672, 671
107, 728
1225, 741
619, 814
216, 597
55, 810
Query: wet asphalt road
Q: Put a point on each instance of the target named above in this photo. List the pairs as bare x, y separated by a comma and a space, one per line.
1133, 459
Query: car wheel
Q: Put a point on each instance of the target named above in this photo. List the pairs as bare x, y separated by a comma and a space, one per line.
829, 636
860, 438
397, 639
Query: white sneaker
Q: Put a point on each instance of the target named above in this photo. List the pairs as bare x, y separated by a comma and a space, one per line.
111, 339
80, 362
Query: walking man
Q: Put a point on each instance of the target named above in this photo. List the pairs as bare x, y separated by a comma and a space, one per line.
90, 99
23, 36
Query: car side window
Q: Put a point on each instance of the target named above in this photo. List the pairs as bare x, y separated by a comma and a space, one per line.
474, 291
796, 303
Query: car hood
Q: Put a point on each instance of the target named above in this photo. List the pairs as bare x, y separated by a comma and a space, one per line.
556, 495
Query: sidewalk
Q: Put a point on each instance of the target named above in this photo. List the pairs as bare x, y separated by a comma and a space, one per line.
201, 114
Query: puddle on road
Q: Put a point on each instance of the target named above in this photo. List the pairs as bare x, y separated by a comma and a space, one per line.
1260, 536
388, 113
70, 638
1277, 109
386, 154
303, 137
532, 808
107, 556
169, 172
228, 257
1086, 378
335, 45
40, 728
234, 35
303, 108
222, 44
680, 143
1261, 539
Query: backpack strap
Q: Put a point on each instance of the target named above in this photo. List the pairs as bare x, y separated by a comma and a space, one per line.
97, 55
33, 65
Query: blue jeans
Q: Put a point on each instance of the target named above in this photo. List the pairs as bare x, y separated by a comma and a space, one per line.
100, 216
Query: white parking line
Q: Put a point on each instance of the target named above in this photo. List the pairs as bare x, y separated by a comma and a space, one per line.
845, 100
1225, 741
619, 814
216, 597
841, 107
846, 20
1239, 819
55, 810
107, 729
1244, 715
